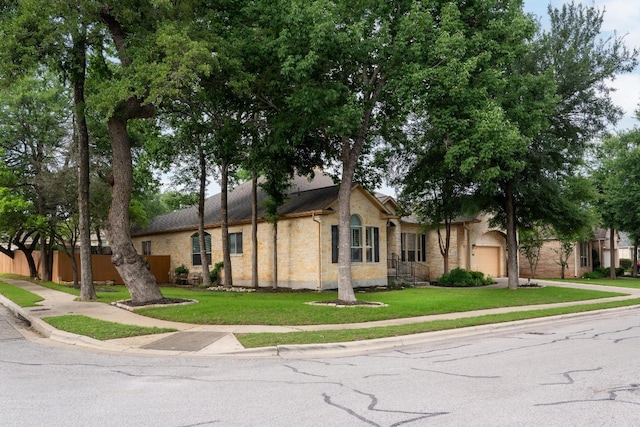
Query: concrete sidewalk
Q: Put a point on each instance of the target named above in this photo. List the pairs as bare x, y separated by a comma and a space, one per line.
207, 340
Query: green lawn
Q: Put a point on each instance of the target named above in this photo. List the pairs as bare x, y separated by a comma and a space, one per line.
345, 335
227, 308
19, 296
620, 282
100, 329
289, 308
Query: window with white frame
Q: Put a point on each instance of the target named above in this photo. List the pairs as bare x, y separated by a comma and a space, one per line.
370, 245
584, 254
372, 238
356, 239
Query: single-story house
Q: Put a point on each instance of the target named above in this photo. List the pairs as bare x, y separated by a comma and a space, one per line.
383, 244
586, 256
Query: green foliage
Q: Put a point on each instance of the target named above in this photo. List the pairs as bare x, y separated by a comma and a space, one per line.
215, 272
626, 263
603, 272
181, 269
461, 278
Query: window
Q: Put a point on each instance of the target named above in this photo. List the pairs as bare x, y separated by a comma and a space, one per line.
196, 258
371, 242
146, 247
584, 250
413, 247
235, 243
356, 239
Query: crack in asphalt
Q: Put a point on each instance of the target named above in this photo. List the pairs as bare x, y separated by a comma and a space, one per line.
569, 378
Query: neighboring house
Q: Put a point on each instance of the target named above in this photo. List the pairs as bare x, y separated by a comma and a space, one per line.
626, 248
307, 236
585, 256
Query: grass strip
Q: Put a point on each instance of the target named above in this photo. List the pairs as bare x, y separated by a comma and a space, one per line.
20, 296
101, 329
255, 340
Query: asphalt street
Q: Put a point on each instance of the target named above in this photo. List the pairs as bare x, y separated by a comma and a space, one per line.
581, 371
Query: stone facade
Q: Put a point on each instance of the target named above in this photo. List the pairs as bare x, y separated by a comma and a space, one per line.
304, 248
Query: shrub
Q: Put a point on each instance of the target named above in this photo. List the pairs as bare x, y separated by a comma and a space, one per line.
463, 278
181, 269
593, 275
626, 263
215, 272
603, 272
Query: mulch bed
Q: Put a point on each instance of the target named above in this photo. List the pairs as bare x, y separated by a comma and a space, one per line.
163, 301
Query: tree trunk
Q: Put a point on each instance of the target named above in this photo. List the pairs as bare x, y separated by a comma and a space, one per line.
224, 228
131, 267
635, 257
612, 254
254, 229
444, 246
512, 239
46, 252
28, 253
87, 289
206, 277
98, 241
345, 285
275, 253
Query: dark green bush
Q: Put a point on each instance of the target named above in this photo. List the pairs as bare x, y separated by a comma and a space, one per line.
626, 263
593, 275
463, 278
603, 272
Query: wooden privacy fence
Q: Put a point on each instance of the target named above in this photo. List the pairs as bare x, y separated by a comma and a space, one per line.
103, 269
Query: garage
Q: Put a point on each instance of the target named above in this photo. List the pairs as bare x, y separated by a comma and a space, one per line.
488, 260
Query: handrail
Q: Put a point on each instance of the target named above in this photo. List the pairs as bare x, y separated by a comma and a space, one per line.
415, 271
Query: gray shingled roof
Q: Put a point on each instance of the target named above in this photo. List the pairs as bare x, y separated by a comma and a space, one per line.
304, 195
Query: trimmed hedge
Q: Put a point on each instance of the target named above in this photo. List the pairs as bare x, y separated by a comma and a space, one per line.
461, 278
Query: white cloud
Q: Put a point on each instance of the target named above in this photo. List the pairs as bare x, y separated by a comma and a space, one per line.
627, 94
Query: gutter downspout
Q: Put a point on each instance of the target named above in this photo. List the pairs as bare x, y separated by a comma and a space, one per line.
319, 221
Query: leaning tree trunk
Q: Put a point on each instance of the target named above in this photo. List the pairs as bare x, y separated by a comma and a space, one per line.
512, 240
131, 267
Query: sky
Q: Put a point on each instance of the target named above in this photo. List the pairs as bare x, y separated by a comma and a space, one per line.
621, 16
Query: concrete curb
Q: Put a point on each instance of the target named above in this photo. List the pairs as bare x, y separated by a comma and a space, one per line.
301, 350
